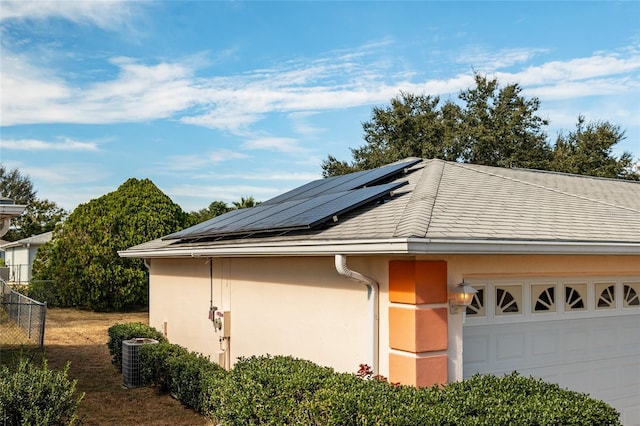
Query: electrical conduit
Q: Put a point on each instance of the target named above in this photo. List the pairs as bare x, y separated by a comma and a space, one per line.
372, 307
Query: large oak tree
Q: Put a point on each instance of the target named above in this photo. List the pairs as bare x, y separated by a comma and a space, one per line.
489, 125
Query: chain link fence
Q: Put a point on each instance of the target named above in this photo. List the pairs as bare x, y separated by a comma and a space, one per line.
22, 319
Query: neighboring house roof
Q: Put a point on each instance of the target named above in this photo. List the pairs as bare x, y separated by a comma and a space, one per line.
449, 207
35, 240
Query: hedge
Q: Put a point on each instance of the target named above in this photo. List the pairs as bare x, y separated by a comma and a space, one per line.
276, 390
37, 396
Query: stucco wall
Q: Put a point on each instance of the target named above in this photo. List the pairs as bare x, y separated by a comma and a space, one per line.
292, 306
300, 306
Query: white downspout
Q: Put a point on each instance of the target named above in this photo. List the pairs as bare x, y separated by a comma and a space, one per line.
372, 308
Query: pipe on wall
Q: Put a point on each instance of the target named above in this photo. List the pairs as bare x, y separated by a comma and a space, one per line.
372, 307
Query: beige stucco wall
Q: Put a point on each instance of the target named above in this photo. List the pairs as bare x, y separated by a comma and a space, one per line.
300, 306
288, 306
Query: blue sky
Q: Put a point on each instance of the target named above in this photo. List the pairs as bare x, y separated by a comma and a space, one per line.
222, 100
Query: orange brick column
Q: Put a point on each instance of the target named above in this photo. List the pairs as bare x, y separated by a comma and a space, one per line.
418, 329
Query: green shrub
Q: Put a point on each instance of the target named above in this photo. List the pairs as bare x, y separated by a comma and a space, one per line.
514, 399
31, 395
481, 400
120, 332
194, 380
267, 390
44, 291
154, 368
284, 390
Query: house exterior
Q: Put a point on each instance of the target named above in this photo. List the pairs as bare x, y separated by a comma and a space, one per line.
19, 256
361, 269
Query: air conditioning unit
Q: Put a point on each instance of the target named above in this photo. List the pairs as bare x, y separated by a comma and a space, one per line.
131, 369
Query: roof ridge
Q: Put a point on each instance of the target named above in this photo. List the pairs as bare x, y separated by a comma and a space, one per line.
537, 185
418, 213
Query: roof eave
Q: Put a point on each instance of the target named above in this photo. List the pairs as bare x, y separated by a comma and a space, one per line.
391, 246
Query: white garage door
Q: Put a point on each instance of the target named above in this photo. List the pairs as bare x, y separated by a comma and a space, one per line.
583, 334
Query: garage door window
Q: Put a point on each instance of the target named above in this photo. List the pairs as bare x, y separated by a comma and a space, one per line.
575, 296
508, 299
631, 295
606, 296
543, 298
477, 307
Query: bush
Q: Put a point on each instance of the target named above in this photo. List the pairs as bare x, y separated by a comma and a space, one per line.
284, 390
267, 390
43, 291
120, 332
514, 399
31, 395
153, 363
194, 380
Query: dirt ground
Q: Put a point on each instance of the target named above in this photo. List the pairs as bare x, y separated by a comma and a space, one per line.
80, 337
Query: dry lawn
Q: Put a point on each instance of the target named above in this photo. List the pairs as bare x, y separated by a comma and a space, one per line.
80, 337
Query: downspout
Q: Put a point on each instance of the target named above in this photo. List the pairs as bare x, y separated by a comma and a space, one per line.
372, 307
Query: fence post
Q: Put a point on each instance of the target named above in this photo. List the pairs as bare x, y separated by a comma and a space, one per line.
29, 326
44, 317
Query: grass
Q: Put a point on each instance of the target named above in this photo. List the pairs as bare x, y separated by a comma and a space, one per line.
80, 337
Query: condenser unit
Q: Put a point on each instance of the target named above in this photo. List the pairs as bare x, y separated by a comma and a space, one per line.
131, 369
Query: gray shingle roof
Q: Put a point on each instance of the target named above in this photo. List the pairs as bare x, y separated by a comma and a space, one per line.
453, 200
465, 202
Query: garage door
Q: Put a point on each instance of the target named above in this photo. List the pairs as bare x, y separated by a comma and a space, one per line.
583, 334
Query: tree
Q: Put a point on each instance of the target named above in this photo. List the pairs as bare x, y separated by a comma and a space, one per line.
411, 126
83, 260
39, 216
499, 127
588, 151
245, 203
16, 186
216, 208
490, 125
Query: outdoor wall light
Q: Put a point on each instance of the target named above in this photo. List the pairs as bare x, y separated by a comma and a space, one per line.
461, 297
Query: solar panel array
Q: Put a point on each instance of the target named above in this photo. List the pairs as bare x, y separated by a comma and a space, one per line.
304, 207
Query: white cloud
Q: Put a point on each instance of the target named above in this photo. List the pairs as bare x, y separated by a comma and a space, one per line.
485, 61
272, 143
65, 173
108, 14
176, 89
39, 145
198, 161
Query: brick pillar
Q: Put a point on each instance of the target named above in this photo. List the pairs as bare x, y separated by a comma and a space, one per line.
418, 330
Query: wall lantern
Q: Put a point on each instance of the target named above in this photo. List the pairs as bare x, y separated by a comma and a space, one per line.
461, 297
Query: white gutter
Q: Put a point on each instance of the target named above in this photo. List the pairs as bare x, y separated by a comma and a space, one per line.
386, 246
372, 307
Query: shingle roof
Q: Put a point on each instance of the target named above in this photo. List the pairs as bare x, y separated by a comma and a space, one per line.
450, 201
453, 200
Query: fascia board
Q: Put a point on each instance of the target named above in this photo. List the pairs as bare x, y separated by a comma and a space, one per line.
410, 246
11, 210
445, 246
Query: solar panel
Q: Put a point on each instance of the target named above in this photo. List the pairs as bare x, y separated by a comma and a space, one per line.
345, 182
297, 213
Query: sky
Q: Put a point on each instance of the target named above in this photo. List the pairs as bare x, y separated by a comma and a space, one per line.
222, 100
